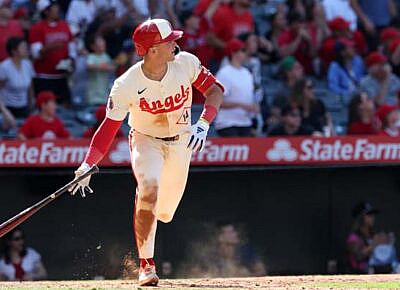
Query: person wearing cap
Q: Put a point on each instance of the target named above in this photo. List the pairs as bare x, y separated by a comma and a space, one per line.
345, 73
389, 117
292, 71
340, 8
386, 37
362, 239
157, 94
100, 115
45, 124
380, 84
340, 28
239, 106
53, 51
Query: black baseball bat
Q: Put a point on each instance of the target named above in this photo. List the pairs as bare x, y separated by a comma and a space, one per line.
25, 214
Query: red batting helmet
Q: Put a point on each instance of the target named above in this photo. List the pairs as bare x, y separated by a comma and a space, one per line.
151, 32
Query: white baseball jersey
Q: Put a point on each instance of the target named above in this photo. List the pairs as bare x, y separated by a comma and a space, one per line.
157, 108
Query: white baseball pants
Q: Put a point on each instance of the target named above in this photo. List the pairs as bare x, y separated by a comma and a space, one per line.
161, 169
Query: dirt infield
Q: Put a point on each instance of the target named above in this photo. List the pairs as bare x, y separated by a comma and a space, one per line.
290, 282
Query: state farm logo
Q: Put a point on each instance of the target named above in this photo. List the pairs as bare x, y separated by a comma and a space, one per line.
281, 150
121, 153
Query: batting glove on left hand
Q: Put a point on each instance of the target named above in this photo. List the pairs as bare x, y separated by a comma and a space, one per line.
199, 135
82, 185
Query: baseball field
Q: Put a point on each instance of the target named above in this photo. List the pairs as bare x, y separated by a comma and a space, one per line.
289, 282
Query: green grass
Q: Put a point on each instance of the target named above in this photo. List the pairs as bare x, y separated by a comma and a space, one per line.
356, 285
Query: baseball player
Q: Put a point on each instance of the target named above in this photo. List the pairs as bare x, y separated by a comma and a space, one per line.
157, 94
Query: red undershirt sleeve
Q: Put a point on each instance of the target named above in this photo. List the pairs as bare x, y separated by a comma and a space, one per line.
102, 140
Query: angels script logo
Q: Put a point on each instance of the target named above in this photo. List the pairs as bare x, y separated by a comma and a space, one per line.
171, 103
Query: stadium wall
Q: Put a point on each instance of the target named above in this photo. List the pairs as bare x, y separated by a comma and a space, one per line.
296, 218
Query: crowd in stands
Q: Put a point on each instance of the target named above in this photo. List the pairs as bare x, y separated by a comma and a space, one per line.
290, 67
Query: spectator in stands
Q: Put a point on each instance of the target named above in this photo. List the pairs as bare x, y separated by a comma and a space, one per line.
293, 72
278, 24
345, 73
7, 120
53, 51
21, 15
194, 39
232, 257
389, 117
81, 13
291, 123
312, 110
16, 73
318, 26
387, 36
8, 28
100, 67
115, 30
394, 55
45, 124
340, 8
100, 115
340, 28
239, 106
362, 239
228, 22
374, 16
125, 58
298, 40
380, 84
226, 254
383, 259
137, 9
362, 119
19, 262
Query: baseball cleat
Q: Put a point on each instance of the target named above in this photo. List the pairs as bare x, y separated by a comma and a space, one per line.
148, 276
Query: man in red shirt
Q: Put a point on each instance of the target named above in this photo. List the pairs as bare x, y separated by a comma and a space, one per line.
52, 49
46, 124
299, 41
8, 28
228, 22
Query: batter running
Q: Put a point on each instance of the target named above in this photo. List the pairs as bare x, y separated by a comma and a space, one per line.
157, 94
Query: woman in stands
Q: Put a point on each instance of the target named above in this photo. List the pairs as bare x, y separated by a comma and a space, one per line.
19, 262
313, 111
362, 117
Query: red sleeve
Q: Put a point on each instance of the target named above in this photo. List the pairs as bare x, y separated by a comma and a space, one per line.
102, 140
204, 80
36, 34
26, 128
